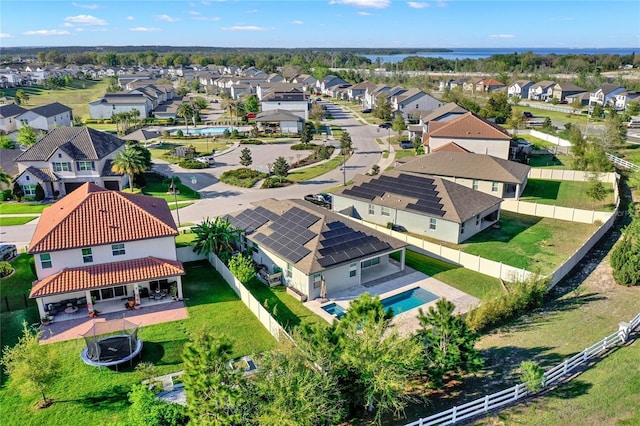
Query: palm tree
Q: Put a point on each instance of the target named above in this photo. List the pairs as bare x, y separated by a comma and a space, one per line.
129, 162
135, 113
185, 111
215, 236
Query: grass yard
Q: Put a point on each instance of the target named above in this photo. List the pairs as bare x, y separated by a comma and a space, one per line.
156, 188
101, 395
285, 308
559, 161
404, 153
529, 242
311, 172
185, 239
566, 194
12, 207
77, 96
478, 285
554, 115
203, 146
537, 142
13, 221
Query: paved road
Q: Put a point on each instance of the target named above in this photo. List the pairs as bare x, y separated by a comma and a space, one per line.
219, 198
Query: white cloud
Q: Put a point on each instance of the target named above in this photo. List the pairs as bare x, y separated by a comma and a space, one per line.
418, 5
166, 18
244, 28
144, 29
130, 18
502, 36
5, 35
364, 14
376, 4
85, 20
194, 13
297, 22
206, 18
47, 32
252, 11
66, 25
86, 6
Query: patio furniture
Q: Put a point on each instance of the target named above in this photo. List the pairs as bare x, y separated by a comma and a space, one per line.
71, 309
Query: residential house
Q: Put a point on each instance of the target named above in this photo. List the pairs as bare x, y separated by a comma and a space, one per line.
471, 85
488, 85
115, 103
424, 205
280, 121
624, 99
322, 86
275, 78
446, 112
605, 94
308, 82
8, 117
451, 84
294, 101
263, 89
318, 251
356, 92
8, 164
582, 98
484, 173
520, 89
46, 117
66, 158
96, 248
541, 91
560, 91
470, 131
413, 101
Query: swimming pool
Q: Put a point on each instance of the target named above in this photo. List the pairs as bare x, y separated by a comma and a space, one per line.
204, 131
334, 309
402, 302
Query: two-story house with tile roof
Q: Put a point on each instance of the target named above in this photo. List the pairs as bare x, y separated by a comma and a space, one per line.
471, 132
66, 158
46, 117
96, 247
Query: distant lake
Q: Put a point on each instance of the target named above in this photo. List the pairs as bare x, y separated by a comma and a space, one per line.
478, 53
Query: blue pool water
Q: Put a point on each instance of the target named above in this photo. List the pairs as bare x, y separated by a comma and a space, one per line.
205, 131
334, 309
402, 302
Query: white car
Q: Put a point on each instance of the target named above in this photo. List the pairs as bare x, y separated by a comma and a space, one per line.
207, 159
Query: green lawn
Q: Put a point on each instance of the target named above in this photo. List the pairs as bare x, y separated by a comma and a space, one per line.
203, 146
478, 285
185, 239
12, 221
554, 115
20, 281
86, 392
76, 97
404, 153
566, 194
13, 207
529, 242
156, 188
285, 308
311, 172
559, 161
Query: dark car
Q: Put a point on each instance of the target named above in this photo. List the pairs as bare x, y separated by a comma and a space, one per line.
406, 145
385, 125
398, 228
527, 115
8, 251
366, 111
319, 199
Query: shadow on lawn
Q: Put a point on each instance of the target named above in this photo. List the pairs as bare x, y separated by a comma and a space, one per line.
105, 399
510, 226
542, 189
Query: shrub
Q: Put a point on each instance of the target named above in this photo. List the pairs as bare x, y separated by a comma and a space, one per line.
273, 183
5, 268
304, 146
242, 268
180, 134
192, 164
6, 195
251, 142
165, 133
39, 192
625, 257
532, 375
242, 177
523, 296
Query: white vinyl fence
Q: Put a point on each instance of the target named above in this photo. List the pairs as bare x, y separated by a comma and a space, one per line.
483, 405
247, 298
555, 212
622, 163
570, 175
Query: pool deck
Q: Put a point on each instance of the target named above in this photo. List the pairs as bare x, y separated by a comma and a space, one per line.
405, 322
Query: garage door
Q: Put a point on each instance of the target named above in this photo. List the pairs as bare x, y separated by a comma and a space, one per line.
113, 185
72, 186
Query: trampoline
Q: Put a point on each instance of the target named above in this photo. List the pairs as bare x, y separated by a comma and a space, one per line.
111, 343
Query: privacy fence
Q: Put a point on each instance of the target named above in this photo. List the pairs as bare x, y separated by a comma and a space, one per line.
558, 374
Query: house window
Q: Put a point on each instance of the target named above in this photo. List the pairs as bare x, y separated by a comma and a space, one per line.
353, 267
475, 184
494, 187
432, 223
29, 190
385, 211
372, 210
317, 281
370, 262
84, 165
477, 219
462, 229
289, 270
254, 248
59, 155
87, 255
45, 261
61, 167
117, 249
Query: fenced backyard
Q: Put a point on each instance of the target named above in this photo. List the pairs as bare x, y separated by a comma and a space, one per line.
556, 375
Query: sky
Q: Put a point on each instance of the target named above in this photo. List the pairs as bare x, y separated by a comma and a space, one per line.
322, 23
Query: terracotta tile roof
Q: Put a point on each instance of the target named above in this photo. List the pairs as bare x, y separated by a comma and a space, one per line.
468, 126
106, 275
92, 216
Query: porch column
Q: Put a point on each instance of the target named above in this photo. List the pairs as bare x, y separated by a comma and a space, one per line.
517, 191
402, 258
136, 294
179, 284
87, 294
41, 310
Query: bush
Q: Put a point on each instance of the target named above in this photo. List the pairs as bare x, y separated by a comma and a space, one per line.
532, 375
251, 142
522, 297
192, 164
180, 134
274, 183
242, 268
625, 257
304, 146
5, 268
6, 195
39, 192
242, 177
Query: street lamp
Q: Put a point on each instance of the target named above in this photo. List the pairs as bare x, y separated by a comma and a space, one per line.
174, 189
389, 141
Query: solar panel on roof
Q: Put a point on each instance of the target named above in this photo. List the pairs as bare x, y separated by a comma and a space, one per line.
426, 209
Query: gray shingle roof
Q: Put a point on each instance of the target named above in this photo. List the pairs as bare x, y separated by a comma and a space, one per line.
51, 109
277, 115
11, 110
43, 175
80, 143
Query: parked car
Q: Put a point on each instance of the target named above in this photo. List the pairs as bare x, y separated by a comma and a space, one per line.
323, 200
406, 145
632, 124
366, 111
385, 125
398, 228
251, 115
8, 251
527, 115
207, 159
